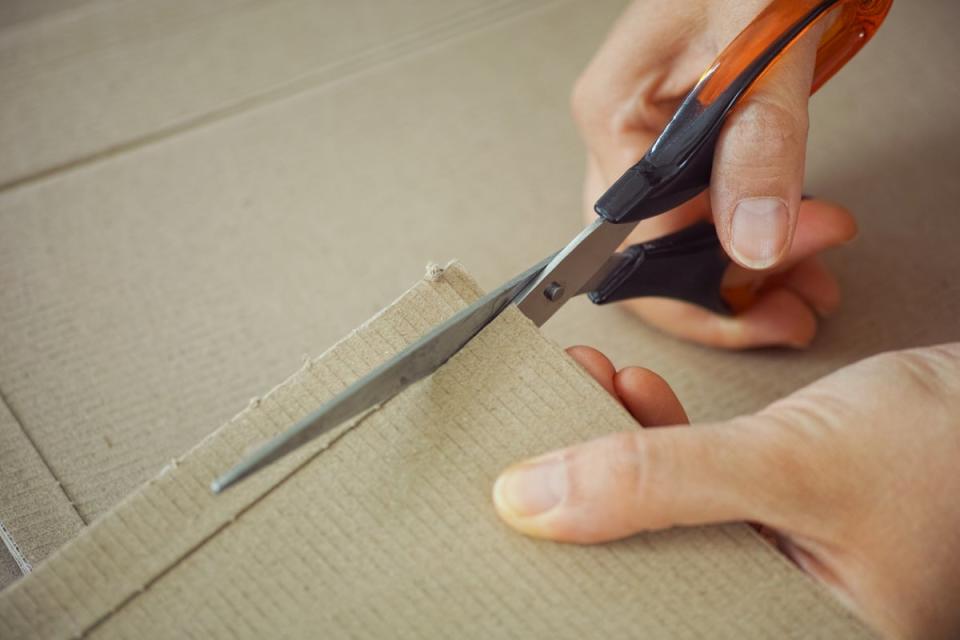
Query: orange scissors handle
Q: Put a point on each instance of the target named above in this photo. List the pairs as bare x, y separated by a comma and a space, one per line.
852, 24
677, 167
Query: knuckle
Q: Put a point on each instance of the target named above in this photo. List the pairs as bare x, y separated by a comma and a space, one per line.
613, 115
607, 469
585, 106
638, 466
765, 129
606, 490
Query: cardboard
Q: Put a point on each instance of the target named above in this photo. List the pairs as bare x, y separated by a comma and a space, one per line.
196, 194
384, 527
36, 516
160, 69
10, 571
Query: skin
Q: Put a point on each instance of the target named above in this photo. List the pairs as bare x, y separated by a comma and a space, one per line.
855, 476
652, 57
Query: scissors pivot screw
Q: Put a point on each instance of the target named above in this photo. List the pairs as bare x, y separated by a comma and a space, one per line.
554, 291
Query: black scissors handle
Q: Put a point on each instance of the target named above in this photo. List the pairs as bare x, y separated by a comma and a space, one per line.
687, 265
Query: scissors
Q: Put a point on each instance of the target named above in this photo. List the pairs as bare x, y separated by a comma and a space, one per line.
687, 265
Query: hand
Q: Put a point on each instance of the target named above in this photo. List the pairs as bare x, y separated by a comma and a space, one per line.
857, 475
651, 59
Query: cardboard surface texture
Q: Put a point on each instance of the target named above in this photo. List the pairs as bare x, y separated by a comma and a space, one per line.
193, 195
167, 67
384, 528
36, 517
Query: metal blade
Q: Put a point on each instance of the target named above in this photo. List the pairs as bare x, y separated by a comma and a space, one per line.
414, 363
613, 263
572, 269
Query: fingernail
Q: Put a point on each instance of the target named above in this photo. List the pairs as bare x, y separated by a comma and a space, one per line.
532, 488
759, 231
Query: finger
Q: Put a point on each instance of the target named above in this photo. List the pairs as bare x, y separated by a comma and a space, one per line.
596, 364
625, 483
813, 282
648, 397
758, 162
776, 317
779, 317
821, 225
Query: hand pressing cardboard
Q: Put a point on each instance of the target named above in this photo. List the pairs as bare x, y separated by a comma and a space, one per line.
857, 475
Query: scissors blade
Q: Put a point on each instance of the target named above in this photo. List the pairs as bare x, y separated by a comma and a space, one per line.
576, 269
413, 363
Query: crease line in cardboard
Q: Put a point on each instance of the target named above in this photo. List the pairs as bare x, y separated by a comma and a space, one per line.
401, 48
26, 434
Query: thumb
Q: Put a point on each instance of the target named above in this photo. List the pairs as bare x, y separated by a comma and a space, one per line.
624, 483
758, 163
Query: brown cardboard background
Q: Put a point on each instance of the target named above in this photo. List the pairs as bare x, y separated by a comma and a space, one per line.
101, 76
174, 236
9, 570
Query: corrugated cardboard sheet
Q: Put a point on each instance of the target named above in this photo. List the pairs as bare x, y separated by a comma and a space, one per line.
384, 528
195, 194
36, 516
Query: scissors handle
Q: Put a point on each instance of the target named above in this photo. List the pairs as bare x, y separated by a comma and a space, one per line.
677, 167
686, 265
